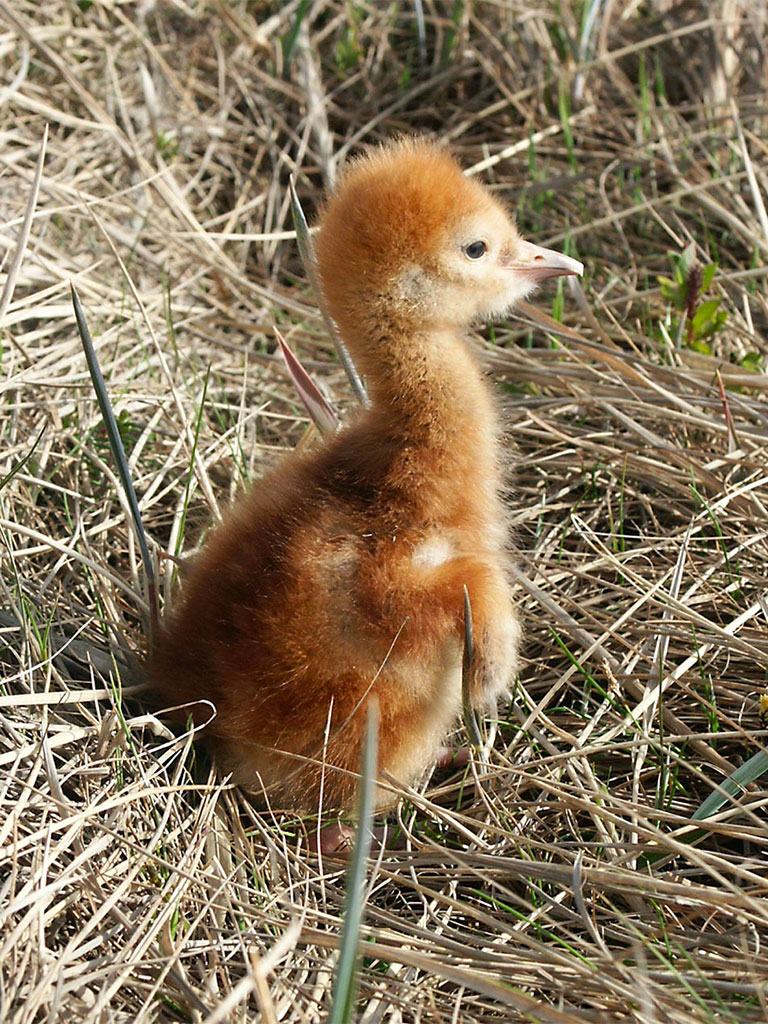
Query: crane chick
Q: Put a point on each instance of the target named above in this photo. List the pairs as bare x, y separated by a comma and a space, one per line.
341, 574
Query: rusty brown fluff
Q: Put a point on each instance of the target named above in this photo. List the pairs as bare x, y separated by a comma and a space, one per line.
340, 574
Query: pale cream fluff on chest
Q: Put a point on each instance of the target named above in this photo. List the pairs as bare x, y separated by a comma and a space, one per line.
433, 551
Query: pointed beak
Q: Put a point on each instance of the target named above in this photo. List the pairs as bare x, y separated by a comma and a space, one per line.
539, 264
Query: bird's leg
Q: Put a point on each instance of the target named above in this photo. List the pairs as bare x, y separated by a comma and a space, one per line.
335, 840
338, 840
450, 757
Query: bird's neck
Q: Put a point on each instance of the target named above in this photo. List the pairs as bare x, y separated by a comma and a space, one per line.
435, 411
431, 384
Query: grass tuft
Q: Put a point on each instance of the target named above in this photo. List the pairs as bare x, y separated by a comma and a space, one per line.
605, 859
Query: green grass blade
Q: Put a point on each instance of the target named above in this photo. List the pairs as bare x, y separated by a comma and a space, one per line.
303, 237
118, 453
191, 473
304, 242
23, 460
468, 712
345, 985
750, 771
421, 31
291, 37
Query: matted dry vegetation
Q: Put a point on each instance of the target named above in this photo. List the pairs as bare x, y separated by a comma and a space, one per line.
564, 881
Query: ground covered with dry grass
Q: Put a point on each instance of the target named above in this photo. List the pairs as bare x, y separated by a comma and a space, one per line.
564, 880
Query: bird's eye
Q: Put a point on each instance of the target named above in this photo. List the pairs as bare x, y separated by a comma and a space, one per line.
475, 250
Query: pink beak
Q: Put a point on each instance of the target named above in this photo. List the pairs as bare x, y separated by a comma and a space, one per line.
539, 264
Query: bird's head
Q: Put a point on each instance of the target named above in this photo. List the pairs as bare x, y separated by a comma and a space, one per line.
407, 239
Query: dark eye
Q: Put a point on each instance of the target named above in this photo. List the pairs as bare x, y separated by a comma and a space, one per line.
475, 250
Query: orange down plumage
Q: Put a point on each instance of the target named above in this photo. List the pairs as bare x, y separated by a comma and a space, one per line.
341, 574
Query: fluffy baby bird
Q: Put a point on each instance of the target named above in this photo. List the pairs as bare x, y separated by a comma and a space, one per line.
341, 574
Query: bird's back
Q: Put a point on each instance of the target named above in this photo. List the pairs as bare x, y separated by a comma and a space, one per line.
300, 604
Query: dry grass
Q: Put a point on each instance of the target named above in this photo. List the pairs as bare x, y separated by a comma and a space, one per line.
564, 881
